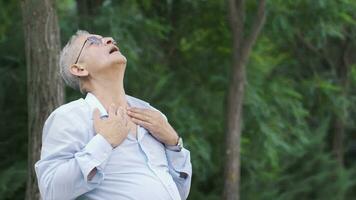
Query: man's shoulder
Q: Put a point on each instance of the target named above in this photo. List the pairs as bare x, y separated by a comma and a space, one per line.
71, 109
71, 115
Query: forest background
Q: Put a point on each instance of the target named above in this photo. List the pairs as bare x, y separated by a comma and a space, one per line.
298, 138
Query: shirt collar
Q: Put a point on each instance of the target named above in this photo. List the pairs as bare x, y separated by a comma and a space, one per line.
94, 102
131, 101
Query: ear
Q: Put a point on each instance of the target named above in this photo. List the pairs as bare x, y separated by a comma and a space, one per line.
78, 70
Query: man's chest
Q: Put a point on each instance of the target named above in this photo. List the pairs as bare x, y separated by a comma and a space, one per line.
135, 153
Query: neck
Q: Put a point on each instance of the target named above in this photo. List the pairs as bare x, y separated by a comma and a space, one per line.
110, 92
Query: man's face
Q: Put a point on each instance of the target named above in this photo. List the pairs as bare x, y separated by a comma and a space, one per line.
99, 55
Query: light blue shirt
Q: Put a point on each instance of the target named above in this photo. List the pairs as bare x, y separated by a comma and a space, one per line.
140, 168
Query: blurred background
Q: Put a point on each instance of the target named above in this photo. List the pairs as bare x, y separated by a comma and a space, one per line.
298, 138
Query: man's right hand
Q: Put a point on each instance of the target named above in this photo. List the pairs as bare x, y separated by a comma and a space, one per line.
114, 128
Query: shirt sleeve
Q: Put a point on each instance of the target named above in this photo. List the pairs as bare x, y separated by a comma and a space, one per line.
68, 155
180, 168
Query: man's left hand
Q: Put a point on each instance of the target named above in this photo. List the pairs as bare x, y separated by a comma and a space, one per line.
155, 123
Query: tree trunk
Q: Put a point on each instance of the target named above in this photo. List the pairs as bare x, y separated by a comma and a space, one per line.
232, 165
343, 70
44, 86
341, 64
241, 51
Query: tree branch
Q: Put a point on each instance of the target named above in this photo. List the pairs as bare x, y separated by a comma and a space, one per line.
347, 54
314, 49
256, 29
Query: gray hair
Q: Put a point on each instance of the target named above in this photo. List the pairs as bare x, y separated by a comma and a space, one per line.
67, 58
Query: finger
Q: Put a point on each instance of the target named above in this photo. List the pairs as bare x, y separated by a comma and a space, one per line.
140, 110
118, 112
120, 115
111, 110
126, 119
123, 115
139, 116
121, 112
96, 114
141, 123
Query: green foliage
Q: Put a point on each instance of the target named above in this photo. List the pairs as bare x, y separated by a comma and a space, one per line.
179, 60
13, 105
13, 179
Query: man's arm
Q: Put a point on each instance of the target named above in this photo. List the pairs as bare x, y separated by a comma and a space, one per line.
70, 167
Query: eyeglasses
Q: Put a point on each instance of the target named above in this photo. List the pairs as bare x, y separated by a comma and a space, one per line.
92, 40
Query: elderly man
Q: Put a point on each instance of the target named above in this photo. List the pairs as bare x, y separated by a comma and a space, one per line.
109, 145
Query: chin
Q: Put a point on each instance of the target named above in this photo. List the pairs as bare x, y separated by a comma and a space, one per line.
120, 59
123, 59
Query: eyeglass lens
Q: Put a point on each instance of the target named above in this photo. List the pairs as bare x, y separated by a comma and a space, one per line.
94, 40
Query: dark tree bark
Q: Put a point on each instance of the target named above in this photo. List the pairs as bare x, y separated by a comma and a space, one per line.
343, 70
242, 44
45, 89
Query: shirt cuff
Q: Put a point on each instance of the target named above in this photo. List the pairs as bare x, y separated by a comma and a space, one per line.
179, 161
95, 154
99, 148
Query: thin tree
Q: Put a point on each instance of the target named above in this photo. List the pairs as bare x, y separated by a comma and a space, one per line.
242, 45
339, 57
45, 89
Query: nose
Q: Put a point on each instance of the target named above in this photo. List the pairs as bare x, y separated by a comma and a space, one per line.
108, 40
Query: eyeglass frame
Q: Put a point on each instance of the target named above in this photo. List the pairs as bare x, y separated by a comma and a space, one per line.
88, 38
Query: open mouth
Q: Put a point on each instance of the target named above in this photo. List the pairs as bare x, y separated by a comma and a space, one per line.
113, 49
